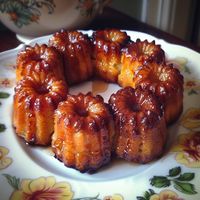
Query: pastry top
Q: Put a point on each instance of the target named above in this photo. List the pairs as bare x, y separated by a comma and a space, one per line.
136, 109
162, 79
76, 49
39, 58
84, 112
144, 51
110, 37
63, 38
41, 87
107, 46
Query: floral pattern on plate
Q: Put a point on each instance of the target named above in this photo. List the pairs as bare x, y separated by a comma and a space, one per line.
192, 86
45, 188
191, 118
187, 149
180, 181
165, 194
6, 82
41, 188
5, 161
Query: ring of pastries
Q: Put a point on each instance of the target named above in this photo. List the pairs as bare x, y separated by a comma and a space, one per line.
84, 131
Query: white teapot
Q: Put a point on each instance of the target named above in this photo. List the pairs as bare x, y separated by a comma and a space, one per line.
32, 18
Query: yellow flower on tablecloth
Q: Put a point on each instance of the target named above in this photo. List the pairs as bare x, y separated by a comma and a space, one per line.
188, 149
114, 197
191, 118
42, 189
165, 195
4, 160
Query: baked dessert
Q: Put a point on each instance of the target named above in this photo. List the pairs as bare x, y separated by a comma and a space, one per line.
107, 52
139, 124
38, 58
83, 132
35, 100
76, 49
135, 55
166, 82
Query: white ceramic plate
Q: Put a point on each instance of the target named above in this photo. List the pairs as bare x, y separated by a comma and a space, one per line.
27, 171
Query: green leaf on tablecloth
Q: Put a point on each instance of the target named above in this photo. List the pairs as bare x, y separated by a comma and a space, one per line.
178, 179
147, 195
186, 177
4, 95
2, 127
13, 181
141, 198
159, 181
174, 171
186, 188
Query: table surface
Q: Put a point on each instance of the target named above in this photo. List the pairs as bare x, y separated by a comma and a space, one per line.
110, 18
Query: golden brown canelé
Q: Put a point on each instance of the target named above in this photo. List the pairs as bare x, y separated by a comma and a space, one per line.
76, 49
32, 60
83, 132
107, 52
35, 101
139, 124
166, 82
135, 55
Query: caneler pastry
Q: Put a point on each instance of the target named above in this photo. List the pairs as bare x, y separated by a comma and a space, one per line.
167, 83
83, 132
76, 49
135, 55
35, 100
139, 124
32, 60
107, 53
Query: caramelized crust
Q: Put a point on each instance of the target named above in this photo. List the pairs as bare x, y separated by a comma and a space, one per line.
107, 52
145, 51
35, 100
82, 129
135, 55
83, 132
39, 58
167, 83
76, 49
139, 124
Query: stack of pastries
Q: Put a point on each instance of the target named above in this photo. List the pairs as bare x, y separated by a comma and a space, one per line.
83, 130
